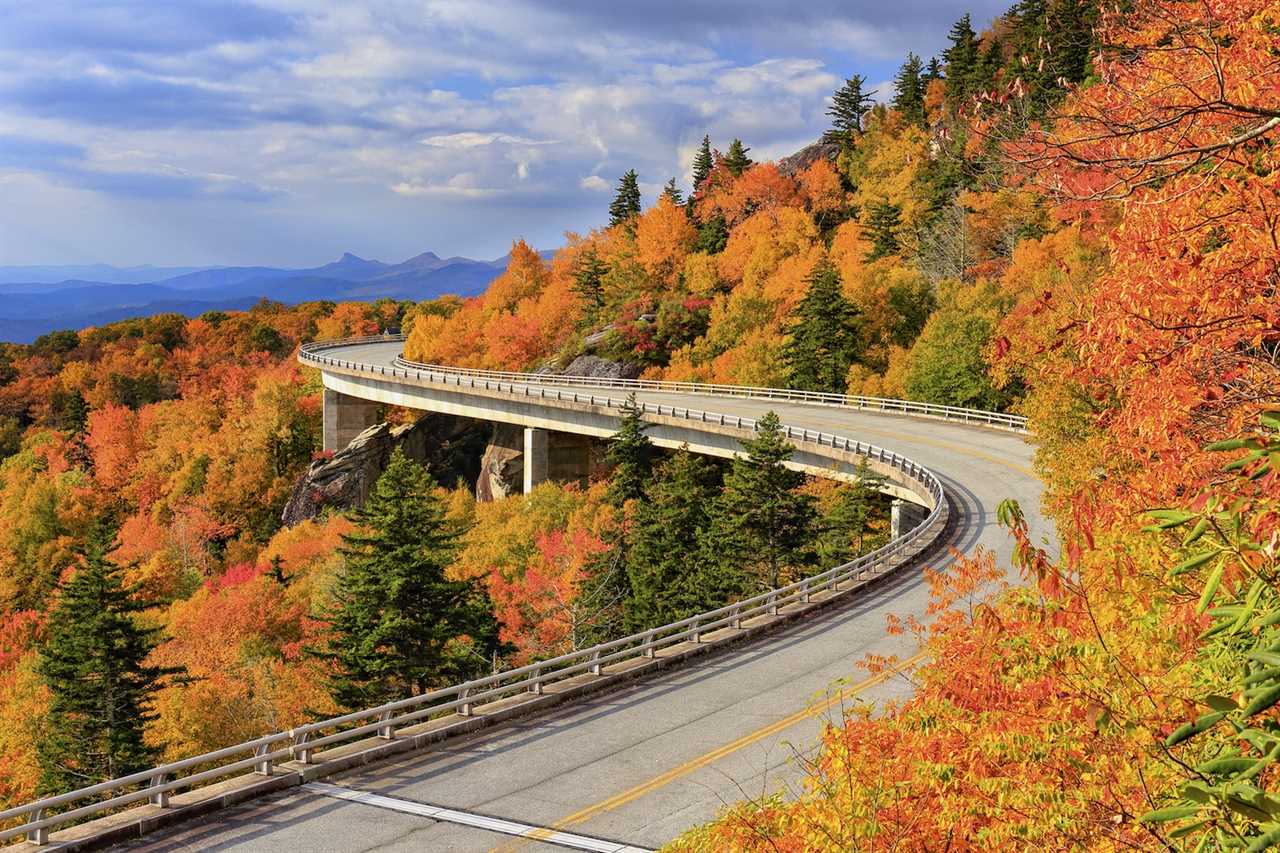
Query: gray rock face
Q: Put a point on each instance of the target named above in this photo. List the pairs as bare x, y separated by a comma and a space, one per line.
502, 465
601, 368
807, 156
345, 480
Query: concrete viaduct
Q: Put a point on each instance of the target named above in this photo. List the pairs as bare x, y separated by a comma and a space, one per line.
620, 747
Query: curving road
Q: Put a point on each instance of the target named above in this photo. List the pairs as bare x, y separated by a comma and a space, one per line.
631, 769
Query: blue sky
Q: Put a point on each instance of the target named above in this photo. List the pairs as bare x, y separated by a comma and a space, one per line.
288, 131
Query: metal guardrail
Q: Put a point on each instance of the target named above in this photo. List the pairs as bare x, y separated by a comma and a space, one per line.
300, 744
1000, 420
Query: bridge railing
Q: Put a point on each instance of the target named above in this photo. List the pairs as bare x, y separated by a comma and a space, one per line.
301, 744
999, 420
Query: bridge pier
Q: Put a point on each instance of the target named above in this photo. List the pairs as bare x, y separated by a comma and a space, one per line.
904, 515
537, 457
345, 417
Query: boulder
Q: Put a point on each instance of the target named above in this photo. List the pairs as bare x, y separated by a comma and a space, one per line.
445, 444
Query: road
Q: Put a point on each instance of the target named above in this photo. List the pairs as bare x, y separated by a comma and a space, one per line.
631, 769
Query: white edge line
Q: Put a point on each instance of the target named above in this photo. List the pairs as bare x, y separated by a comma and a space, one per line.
493, 824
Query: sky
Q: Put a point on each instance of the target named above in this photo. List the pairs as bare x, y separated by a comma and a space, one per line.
286, 132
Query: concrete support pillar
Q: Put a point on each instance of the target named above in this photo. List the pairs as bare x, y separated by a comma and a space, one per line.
905, 516
346, 417
536, 457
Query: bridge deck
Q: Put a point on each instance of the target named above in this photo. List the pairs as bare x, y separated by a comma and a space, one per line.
640, 765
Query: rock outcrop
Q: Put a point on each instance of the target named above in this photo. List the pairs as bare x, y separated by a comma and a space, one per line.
502, 465
807, 156
601, 368
448, 446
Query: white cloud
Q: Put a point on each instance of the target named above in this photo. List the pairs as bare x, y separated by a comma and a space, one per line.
471, 139
594, 183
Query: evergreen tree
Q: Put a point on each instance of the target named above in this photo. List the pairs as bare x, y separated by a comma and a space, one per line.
662, 557
702, 163
588, 279
626, 204
962, 60
672, 192
984, 75
761, 521
736, 160
713, 236
399, 626
933, 71
844, 525
73, 414
631, 454
908, 91
824, 334
849, 105
100, 686
883, 221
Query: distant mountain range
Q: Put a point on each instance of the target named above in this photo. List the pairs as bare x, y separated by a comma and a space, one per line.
37, 300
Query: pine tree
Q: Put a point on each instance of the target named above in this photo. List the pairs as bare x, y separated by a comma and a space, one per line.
844, 525
713, 236
908, 91
672, 192
661, 555
933, 71
702, 163
761, 521
399, 625
883, 221
74, 413
989, 65
588, 279
100, 686
849, 105
626, 204
824, 335
736, 159
631, 454
962, 60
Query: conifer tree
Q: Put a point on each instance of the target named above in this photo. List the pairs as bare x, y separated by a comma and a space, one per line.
933, 71
908, 91
849, 105
631, 454
100, 686
736, 159
989, 65
883, 221
702, 163
626, 204
824, 335
588, 279
713, 235
760, 520
962, 60
399, 625
661, 557
844, 525
672, 192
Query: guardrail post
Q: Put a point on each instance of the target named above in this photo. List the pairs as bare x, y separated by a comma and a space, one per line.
594, 669
159, 798
386, 732
736, 621
263, 767
536, 687
773, 605
302, 752
804, 593
696, 636
648, 644
464, 710
39, 835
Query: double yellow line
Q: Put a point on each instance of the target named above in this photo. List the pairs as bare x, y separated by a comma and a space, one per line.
631, 794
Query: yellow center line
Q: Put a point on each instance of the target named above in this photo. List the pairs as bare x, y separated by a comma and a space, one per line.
714, 755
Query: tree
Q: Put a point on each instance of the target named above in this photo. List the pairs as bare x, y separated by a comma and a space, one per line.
908, 91
824, 334
843, 527
883, 221
399, 626
933, 71
962, 60
849, 105
760, 520
588, 278
101, 688
631, 455
672, 192
668, 579
626, 204
736, 159
702, 164
947, 363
